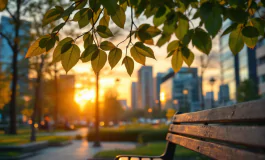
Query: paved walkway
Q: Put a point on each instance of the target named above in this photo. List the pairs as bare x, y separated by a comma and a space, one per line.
79, 150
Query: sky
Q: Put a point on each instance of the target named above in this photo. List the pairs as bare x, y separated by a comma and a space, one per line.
85, 77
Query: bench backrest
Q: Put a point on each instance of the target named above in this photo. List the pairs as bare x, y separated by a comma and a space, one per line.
234, 132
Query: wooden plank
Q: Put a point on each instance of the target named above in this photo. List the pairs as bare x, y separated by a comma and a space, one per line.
244, 135
242, 112
212, 150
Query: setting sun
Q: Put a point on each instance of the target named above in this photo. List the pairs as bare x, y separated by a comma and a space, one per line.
83, 96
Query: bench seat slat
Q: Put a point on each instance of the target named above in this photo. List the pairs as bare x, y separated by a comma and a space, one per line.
242, 112
213, 150
245, 135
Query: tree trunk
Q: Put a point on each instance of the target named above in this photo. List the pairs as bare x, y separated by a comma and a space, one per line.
55, 114
37, 97
12, 109
97, 140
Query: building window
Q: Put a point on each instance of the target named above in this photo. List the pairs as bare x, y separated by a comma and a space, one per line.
262, 78
261, 60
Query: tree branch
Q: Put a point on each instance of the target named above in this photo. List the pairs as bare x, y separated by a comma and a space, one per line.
11, 15
7, 39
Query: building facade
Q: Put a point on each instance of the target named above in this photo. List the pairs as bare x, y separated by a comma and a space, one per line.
134, 95
223, 95
236, 68
145, 88
260, 55
181, 92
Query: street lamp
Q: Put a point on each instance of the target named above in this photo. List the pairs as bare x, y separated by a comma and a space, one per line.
212, 81
185, 92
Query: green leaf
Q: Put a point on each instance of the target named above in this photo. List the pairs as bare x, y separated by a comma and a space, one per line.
250, 32
94, 5
80, 4
187, 56
88, 39
66, 47
144, 50
212, 18
129, 64
67, 12
137, 55
50, 44
104, 21
146, 32
57, 51
174, 45
35, 49
70, 57
106, 45
187, 38
259, 24
176, 61
170, 53
202, 41
52, 15
236, 42
119, 17
230, 29
183, 27
104, 31
99, 62
57, 28
250, 42
160, 15
3, 5
237, 15
114, 57
83, 16
110, 5
88, 52
163, 39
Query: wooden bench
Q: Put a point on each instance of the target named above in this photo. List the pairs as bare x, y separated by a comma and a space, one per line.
234, 132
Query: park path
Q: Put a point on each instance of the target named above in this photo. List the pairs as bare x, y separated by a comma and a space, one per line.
79, 150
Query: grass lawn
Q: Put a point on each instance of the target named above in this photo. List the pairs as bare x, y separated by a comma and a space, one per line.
152, 149
23, 139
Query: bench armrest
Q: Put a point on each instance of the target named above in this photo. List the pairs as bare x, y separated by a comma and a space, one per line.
136, 157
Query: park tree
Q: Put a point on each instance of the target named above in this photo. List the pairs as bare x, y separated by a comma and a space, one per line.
112, 109
14, 8
247, 91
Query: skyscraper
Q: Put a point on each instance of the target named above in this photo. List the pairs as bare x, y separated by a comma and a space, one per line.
134, 95
182, 90
235, 69
145, 89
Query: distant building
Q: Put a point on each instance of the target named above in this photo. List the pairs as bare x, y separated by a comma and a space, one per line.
134, 95
223, 95
260, 55
123, 103
157, 83
236, 68
145, 89
7, 27
209, 100
181, 91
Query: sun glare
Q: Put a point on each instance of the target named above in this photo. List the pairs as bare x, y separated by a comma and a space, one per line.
84, 96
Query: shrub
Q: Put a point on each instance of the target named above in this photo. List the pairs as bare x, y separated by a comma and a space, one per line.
152, 136
142, 135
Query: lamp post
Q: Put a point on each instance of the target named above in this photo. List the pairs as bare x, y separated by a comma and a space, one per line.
185, 92
212, 81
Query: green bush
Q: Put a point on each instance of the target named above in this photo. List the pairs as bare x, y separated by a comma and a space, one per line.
152, 136
140, 134
116, 135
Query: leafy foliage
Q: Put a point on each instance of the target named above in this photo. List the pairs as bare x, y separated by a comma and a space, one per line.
171, 17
